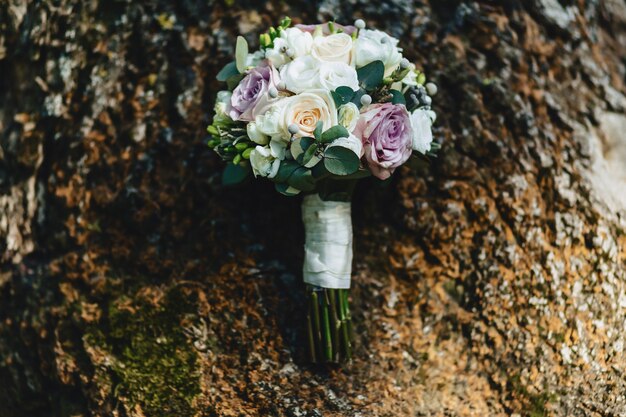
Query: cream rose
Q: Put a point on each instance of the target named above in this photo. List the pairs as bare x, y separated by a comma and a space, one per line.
374, 45
306, 109
333, 48
292, 43
302, 74
349, 116
337, 74
263, 163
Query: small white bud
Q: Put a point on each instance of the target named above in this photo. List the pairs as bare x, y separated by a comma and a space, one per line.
289, 53
427, 100
366, 99
281, 85
359, 24
293, 128
405, 63
384, 40
273, 92
431, 88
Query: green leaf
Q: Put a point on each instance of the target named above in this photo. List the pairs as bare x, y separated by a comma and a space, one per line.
302, 179
300, 146
371, 75
356, 99
228, 71
334, 133
397, 97
340, 161
241, 53
359, 174
344, 95
284, 189
233, 81
318, 130
308, 155
234, 174
285, 170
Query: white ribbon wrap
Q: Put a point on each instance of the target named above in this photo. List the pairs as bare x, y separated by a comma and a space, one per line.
328, 242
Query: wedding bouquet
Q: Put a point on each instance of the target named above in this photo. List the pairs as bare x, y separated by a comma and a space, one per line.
315, 109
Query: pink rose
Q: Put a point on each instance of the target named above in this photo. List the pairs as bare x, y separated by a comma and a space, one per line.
250, 98
385, 130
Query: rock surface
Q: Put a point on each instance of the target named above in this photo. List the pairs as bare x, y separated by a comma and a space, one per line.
491, 281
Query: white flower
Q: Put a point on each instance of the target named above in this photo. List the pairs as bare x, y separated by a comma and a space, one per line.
253, 60
263, 163
306, 109
349, 116
337, 74
301, 74
292, 43
255, 134
410, 78
221, 104
421, 122
333, 48
270, 123
374, 45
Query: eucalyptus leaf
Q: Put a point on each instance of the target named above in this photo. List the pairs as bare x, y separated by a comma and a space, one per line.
356, 99
340, 161
344, 95
228, 71
309, 153
371, 75
285, 170
234, 174
397, 97
302, 179
318, 130
333, 133
234, 80
241, 53
286, 189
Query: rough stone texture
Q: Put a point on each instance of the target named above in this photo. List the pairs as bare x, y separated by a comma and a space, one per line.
488, 282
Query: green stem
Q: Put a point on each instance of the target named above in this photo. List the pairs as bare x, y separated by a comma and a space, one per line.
316, 321
346, 324
328, 344
310, 332
331, 294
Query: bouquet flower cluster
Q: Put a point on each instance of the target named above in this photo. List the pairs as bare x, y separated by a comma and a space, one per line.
315, 109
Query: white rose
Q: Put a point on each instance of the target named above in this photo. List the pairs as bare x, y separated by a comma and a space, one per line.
270, 123
349, 116
374, 45
337, 74
301, 74
263, 163
292, 40
306, 109
255, 134
421, 122
333, 48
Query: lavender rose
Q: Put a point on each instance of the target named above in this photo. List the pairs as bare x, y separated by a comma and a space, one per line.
387, 136
325, 29
250, 98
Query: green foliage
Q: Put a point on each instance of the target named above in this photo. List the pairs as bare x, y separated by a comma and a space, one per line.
397, 97
340, 161
333, 133
371, 75
234, 173
342, 95
227, 71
